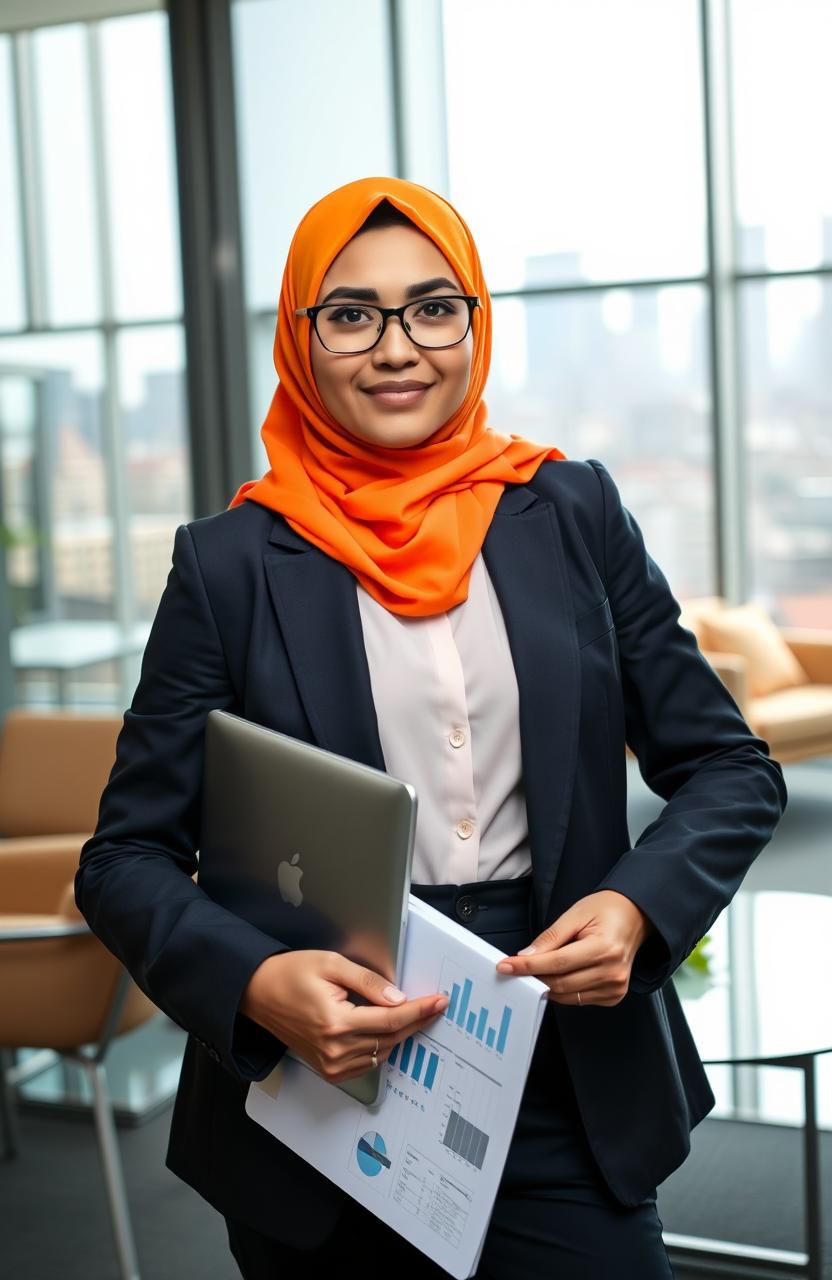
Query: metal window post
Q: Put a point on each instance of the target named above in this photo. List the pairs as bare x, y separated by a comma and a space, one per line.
417, 61
209, 214
724, 340
115, 450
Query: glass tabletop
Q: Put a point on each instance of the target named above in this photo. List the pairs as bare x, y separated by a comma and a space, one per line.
142, 1074
72, 643
767, 992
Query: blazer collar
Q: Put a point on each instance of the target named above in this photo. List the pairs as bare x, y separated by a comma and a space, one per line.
316, 604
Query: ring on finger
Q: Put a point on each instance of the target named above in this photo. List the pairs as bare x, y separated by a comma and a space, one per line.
374, 1054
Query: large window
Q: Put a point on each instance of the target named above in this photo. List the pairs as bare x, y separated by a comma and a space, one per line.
576, 182
585, 145
574, 142
93, 435
585, 160
781, 105
620, 375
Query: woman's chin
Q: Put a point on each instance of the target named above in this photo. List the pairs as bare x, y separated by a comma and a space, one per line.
394, 435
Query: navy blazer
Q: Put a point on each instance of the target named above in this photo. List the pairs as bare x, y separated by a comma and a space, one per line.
256, 620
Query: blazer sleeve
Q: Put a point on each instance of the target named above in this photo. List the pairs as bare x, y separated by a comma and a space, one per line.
724, 793
134, 883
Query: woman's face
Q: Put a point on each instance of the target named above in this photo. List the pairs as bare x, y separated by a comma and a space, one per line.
390, 260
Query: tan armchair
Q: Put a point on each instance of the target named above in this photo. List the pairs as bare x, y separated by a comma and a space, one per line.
61, 989
53, 769
780, 677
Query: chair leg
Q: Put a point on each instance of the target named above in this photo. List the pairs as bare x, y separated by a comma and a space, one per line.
113, 1175
8, 1106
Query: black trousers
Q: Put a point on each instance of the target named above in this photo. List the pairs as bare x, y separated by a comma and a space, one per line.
553, 1216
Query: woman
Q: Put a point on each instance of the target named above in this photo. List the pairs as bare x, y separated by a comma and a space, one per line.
478, 615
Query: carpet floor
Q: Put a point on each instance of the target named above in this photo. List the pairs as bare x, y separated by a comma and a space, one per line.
741, 1182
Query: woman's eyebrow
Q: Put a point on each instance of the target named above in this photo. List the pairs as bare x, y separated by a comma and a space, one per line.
371, 295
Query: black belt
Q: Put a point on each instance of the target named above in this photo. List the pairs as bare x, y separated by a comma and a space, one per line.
485, 906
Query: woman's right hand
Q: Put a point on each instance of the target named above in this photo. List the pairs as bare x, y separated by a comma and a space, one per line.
302, 997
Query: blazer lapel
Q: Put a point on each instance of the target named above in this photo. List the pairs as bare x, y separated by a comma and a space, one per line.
317, 608
524, 554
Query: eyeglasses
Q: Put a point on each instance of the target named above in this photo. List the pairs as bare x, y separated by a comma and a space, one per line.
348, 328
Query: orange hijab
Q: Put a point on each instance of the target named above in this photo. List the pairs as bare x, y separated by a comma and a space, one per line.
409, 522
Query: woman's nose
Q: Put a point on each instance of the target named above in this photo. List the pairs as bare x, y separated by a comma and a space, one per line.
394, 344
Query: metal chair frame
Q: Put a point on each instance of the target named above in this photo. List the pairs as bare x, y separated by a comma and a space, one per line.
91, 1059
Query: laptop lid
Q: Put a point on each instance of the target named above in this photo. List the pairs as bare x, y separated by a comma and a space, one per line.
311, 847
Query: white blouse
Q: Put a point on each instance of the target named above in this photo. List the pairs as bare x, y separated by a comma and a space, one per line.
448, 717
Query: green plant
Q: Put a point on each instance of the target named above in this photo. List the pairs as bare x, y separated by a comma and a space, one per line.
18, 593
698, 961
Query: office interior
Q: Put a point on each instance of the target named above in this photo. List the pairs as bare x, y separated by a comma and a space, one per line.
649, 185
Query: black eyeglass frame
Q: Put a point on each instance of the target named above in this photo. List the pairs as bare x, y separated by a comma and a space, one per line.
386, 312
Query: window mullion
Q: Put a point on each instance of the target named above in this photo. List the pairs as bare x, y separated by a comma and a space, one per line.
46, 416
31, 195
418, 81
113, 434
212, 266
724, 338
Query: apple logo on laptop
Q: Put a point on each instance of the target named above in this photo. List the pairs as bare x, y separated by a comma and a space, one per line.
288, 881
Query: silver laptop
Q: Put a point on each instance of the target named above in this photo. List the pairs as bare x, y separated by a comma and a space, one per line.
312, 848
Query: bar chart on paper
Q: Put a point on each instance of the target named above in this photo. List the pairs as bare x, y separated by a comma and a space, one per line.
474, 1019
428, 1156
470, 1102
416, 1060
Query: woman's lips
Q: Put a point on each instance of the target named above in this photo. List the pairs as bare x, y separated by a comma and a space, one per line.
399, 399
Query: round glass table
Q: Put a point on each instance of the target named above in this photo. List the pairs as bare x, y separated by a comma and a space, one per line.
765, 1002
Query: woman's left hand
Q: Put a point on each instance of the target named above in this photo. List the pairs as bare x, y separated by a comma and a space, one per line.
589, 949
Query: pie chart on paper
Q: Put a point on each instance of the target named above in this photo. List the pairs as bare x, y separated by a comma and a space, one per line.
372, 1154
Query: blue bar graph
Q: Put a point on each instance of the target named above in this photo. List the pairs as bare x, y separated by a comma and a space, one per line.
418, 1061
475, 1022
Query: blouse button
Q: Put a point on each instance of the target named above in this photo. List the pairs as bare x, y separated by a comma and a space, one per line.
457, 738
464, 829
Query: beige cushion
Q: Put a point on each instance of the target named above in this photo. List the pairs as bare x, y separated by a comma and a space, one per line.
53, 769
747, 630
800, 714
55, 993
35, 871
695, 611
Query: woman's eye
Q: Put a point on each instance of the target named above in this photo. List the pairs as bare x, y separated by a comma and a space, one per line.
435, 308
349, 315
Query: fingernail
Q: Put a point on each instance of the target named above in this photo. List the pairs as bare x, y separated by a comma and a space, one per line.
527, 951
505, 967
393, 993
440, 1003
